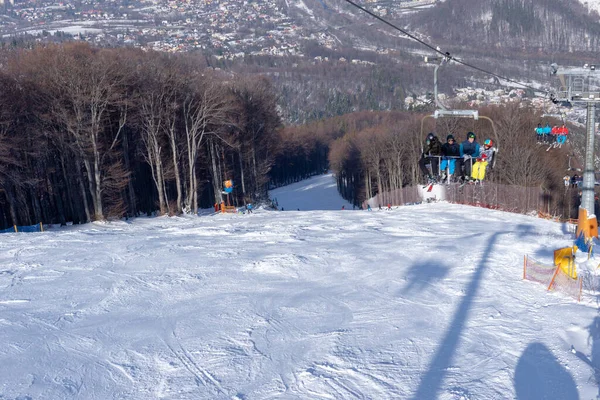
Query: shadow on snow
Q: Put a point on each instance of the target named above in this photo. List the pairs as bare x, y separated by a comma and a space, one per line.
433, 378
423, 274
539, 375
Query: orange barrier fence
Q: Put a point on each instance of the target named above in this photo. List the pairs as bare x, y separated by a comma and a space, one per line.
565, 284
553, 277
537, 272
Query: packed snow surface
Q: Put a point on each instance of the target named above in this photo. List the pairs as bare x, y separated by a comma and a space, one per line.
420, 302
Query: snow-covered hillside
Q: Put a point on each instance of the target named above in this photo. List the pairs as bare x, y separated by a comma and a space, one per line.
591, 4
421, 302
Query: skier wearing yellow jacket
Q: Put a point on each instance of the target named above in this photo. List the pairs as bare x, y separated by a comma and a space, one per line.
486, 156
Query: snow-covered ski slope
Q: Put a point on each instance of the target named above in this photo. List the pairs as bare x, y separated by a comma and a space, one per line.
421, 302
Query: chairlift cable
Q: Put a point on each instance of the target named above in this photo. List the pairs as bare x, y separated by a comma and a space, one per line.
437, 50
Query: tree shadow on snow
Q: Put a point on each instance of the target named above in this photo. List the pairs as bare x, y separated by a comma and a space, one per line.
442, 360
539, 375
422, 274
545, 254
525, 230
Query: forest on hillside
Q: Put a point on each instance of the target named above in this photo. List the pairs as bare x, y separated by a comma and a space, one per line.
89, 134
373, 153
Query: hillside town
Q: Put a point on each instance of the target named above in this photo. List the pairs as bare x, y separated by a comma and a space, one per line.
221, 28
228, 28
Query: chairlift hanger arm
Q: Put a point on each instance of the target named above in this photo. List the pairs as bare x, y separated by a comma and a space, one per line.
457, 113
460, 114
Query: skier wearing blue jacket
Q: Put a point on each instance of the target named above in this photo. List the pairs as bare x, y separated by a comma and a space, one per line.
469, 150
539, 131
546, 133
450, 152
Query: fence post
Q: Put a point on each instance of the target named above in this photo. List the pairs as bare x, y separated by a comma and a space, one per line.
41, 226
16, 230
524, 266
553, 277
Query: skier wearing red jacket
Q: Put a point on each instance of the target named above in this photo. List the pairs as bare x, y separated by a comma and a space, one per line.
563, 131
554, 133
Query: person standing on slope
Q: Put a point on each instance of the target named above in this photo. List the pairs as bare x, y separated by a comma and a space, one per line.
469, 150
431, 155
486, 156
450, 153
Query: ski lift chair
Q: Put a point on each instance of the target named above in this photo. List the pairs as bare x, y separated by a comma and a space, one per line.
443, 112
563, 131
467, 114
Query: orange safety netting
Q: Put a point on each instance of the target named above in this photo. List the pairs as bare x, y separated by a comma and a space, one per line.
537, 272
565, 284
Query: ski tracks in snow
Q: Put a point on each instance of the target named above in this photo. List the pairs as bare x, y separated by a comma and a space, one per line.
202, 376
306, 336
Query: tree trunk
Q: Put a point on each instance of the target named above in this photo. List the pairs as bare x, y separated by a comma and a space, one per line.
10, 196
216, 183
175, 155
99, 214
58, 199
130, 191
159, 179
83, 193
37, 210
70, 201
192, 197
254, 171
242, 174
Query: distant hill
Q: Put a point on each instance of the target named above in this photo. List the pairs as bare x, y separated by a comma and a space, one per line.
542, 26
362, 64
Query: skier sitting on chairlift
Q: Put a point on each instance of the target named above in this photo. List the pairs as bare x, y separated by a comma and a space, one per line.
450, 153
554, 133
539, 131
469, 150
486, 156
431, 154
562, 133
546, 132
